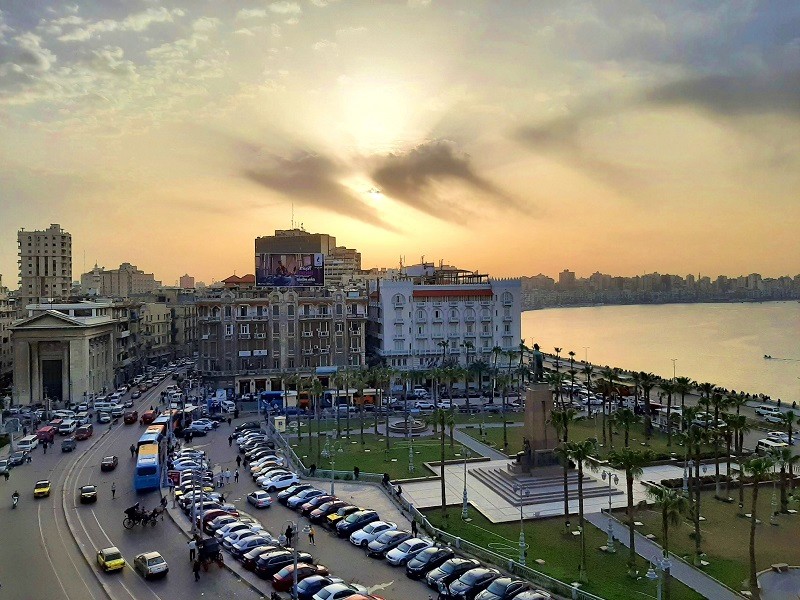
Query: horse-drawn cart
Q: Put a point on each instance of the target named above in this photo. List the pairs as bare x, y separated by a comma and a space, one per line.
209, 551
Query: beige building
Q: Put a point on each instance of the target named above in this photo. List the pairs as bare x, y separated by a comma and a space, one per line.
45, 266
187, 282
124, 282
342, 266
63, 351
155, 328
6, 350
250, 337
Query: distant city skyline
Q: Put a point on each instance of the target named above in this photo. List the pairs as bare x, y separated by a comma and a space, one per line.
507, 137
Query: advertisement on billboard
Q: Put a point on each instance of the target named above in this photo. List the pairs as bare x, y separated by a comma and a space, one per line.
290, 270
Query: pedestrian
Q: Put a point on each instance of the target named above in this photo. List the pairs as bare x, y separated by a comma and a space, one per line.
113, 490
228, 475
289, 533
313, 470
6, 474
196, 569
236, 476
311, 535
192, 549
230, 441
221, 480
399, 492
238, 461
164, 502
414, 528
282, 540
28, 458
44, 447
133, 450
229, 421
356, 472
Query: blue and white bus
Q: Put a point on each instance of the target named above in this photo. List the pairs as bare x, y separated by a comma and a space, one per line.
147, 475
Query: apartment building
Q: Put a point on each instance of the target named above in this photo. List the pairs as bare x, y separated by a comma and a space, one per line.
445, 315
123, 282
45, 266
186, 282
155, 327
6, 350
251, 337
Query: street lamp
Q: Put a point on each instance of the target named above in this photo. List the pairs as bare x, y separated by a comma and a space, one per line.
674, 372
652, 575
522, 492
586, 355
464, 505
613, 478
291, 524
411, 453
332, 446
687, 468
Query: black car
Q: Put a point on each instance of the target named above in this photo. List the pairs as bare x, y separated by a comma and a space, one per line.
318, 514
469, 585
284, 496
15, 459
241, 427
109, 463
427, 560
272, 562
251, 556
311, 585
88, 494
310, 506
503, 588
192, 431
450, 570
378, 547
355, 521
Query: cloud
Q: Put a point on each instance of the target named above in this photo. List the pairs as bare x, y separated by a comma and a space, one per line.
324, 45
311, 178
322, 3
134, 22
284, 7
206, 24
251, 13
345, 31
411, 177
244, 31
24, 60
419, 3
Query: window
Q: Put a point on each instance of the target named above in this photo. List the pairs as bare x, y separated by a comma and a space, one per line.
290, 310
339, 310
227, 312
290, 363
276, 363
276, 311
339, 328
228, 329
244, 329
242, 311
486, 329
506, 328
290, 328
398, 300
470, 328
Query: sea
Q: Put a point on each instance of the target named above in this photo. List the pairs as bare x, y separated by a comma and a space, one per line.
723, 343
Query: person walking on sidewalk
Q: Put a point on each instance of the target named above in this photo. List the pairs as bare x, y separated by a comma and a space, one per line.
192, 549
230, 441
228, 475
414, 528
133, 450
238, 461
311, 533
196, 569
236, 476
289, 533
113, 490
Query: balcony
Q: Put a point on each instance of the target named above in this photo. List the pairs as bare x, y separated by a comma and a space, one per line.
308, 333
454, 320
486, 318
244, 336
324, 333
487, 335
121, 335
508, 319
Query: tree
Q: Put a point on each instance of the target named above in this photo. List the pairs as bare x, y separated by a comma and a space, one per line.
738, 424
758, 468
451, 426
440, 416
624, 418
789, 419
572, 372
581, 452
588, 372
556, 382
633, 463
785, 459
608, 398
695, 437
648, 382
674, 506
359, 383
668, 387
316, 393
636, 379
561, 420
683, 385
479, 367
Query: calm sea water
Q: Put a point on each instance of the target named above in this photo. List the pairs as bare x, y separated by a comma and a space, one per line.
720, 343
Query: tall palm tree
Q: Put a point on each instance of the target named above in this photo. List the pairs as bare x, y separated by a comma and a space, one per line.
673, 507
648, 382
558, 359
624, 418
522, 350
785, 459
581, 452
572, 372
789, 419
668, 387
758, 468
504, 381
439, 415
338, 381
695, 437
359, 383
633, 463
728, 434
588, 372
479, 367
719, 402
739, 427
467, 373
451, 426
496, 352
683, 385
636, 379
556, 381
316, 393
736, 401
561, 420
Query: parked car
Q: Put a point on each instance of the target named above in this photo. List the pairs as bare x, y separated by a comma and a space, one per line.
774, 418
312, 584
449, 571
15, 459
280, 481
320, 514
469, 585
269, 564
338, 591
780, 436
364, 536
284, 496
407, 550
503, 588
308, 507
427, 560
283, 580
354, 521
150, 565
259, 499
243, 546
250, 557
386, 541
762, 410
333, 519
303, 497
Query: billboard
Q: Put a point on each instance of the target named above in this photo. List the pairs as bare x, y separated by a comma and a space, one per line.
290, 270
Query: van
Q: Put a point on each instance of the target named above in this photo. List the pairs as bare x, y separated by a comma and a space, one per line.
68, 427
84, 432
766, 446
115, 396
64, 414
117, 410
228, 406
46, 434
56, 423
83, 418
28, 443
104, 405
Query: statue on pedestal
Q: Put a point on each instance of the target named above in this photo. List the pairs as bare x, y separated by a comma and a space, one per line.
538, 364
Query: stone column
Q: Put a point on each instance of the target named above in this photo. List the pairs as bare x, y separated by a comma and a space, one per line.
77, 370
36, 373
22, 372
65, 380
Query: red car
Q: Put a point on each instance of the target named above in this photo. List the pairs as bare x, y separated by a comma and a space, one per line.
283, 580
363, 597
130, 417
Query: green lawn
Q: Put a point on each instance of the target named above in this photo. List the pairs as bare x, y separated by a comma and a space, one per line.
372, 457
726, 536
546, 540
586, 428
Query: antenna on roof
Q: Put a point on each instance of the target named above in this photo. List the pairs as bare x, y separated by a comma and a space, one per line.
292, 214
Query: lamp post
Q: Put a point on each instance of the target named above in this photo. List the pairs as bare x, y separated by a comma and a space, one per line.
465, 505
674, 371
613, 479
332, 446
291, 524
654, 573
522, 545
411, 454
586, 355
687, 468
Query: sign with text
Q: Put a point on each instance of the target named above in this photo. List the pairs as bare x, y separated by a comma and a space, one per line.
290, 270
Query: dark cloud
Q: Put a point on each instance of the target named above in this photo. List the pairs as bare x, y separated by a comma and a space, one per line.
411, 177
310, 178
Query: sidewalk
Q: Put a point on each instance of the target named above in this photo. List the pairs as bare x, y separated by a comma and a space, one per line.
477, 447
683, 572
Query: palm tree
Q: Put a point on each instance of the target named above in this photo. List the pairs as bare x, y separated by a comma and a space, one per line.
558, 359
738, 424
683, 385
561, 420
521, 370
504, 381
648, 382
581, 452
695, 436
624, 418
467, 373
588, 371
718, 401
572, 372
673, 507
728, 435
496, 352
785, 459
636, 379
758, 468
789, 419
668, 387
440, 416
338, 381
737, 401
633, 463
359, 383
608, 398
479, 367
451, 426
316, 393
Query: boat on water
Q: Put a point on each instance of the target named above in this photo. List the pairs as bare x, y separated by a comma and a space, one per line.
767, 356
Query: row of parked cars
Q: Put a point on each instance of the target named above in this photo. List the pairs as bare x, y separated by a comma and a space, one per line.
453, 577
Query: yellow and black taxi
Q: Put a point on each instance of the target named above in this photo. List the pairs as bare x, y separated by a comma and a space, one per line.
41, 489
88, 494
332, 519
110, 559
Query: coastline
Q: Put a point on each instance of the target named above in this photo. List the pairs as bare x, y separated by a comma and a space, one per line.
663, 302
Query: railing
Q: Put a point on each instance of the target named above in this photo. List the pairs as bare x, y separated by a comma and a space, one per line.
510, 565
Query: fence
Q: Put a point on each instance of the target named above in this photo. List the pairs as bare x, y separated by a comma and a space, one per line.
498, 560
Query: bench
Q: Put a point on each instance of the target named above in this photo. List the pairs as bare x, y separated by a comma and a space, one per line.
780, 567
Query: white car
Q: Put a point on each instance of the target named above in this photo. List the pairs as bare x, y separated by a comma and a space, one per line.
183, 465
259, 499
424, 405
780, 436
335, 591
238, 536
270, 473
407, 550
363, 537
281, 481
201, 424
775, 418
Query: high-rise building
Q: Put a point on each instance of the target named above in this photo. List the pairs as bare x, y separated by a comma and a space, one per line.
6, 349
342, 266
123, 282
45, 266
187, 282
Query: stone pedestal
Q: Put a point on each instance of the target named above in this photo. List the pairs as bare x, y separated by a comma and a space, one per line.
538, 408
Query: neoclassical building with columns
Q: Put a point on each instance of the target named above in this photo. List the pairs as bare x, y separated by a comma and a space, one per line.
63, 352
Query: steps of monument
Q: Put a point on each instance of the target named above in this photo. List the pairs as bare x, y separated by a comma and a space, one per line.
538, 491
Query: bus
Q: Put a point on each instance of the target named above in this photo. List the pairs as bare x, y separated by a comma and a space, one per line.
156, 428
147, 475
171, 419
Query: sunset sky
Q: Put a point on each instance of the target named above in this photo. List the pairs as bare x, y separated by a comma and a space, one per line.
514, 137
